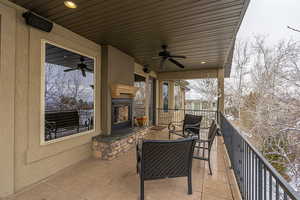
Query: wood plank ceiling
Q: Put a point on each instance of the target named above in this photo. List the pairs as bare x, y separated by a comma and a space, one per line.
202, 30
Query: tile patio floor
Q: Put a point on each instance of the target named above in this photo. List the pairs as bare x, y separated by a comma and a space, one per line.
117, 180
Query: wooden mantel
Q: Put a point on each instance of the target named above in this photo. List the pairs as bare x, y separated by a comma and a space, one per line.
122, 91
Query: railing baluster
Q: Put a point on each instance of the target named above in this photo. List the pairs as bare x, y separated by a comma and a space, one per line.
277, 189
244, 173
265, 183
256, 176
285, 196
248, 168
248, 173
270, 186
252, 175
260, 178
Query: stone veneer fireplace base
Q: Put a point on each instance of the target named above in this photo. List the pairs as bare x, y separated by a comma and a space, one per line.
110, 147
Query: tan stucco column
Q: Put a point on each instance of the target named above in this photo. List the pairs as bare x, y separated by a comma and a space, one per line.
7, 100
171, 95
221, 90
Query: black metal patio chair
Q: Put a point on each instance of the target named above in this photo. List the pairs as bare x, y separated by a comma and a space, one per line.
205, 145
158, 159
190, 126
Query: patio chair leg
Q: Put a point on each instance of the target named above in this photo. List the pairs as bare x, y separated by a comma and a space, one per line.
141, 189
190, 190
209, 163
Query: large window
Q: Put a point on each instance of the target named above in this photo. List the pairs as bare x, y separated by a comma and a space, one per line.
178, 97
140, 96
165, 92
68, 104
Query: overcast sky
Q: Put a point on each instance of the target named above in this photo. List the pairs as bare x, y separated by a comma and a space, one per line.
270, 18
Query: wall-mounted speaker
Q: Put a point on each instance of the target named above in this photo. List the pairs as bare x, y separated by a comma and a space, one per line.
37, 22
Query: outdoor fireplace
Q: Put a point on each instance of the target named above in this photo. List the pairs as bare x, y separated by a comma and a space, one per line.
121, 115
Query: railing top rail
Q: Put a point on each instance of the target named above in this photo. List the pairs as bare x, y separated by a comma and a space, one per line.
283, 183
188, 109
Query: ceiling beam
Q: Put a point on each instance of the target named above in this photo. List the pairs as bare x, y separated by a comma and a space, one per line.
190, 74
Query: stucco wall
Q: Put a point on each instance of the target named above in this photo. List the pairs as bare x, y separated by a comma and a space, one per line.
32, 161
121, 67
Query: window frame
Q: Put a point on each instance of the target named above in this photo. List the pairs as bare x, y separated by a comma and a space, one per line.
42, 93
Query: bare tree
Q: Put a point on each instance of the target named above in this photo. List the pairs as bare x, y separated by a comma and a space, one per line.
294, 29
207, 89
237, 86
64, 91
275, 79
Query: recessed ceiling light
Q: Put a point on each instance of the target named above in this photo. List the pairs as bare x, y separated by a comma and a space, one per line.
203, 62
70, 4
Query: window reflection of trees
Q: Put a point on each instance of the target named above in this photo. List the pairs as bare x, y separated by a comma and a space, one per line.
67, 91
165, 96
139, 102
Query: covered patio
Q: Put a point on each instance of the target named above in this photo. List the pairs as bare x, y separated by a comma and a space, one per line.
120, 62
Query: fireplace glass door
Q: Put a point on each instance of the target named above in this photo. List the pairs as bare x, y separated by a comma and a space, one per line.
121, 114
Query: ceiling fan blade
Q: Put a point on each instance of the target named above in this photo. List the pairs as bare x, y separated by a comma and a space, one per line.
174, 56
176, 62
83, 72
81, 65
162, 62
68, 70
88, 69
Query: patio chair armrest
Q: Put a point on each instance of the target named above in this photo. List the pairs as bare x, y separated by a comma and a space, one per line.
194, 126
172, 125
191, 134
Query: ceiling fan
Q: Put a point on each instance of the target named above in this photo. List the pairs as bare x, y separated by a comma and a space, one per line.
81, 66
166, 55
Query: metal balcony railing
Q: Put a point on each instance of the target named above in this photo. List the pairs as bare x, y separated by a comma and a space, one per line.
256, 178
165, 116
